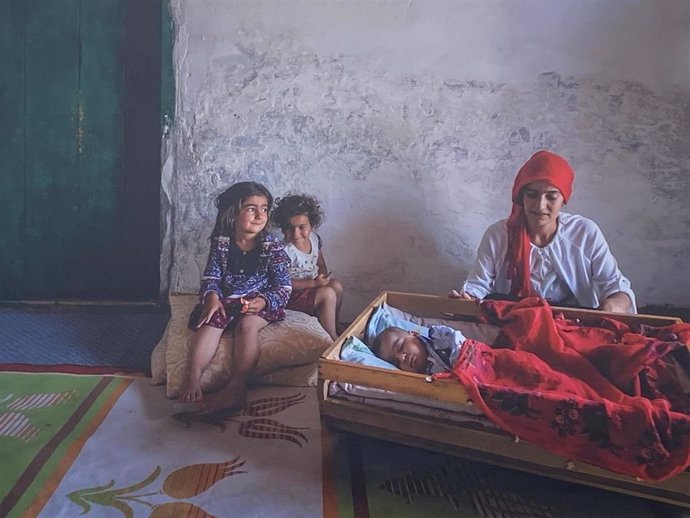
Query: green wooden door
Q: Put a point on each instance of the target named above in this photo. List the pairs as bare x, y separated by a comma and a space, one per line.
79, 149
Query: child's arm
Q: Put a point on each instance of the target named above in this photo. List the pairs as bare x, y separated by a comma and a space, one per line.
322, 279
217, 257
279, 287
321, 264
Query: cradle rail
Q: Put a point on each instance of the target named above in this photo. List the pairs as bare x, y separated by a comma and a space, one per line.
465, 441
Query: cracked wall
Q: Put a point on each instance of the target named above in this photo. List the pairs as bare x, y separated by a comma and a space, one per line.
410, 119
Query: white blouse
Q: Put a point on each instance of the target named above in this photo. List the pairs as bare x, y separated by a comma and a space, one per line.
575, 267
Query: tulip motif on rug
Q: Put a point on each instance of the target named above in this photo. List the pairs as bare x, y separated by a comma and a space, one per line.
192, 480
260, 428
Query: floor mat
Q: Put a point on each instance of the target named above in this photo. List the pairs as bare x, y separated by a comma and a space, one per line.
114, 447
379, 479
119, 338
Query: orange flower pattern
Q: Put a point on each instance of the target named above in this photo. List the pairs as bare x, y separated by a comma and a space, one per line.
179, 510
194, 479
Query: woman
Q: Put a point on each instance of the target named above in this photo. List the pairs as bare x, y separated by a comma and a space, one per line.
542, 251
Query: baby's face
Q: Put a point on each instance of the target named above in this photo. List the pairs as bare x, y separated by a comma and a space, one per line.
404, 349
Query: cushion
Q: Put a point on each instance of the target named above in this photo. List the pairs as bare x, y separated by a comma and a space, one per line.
158, 374
300, 376
298, 341
354, 350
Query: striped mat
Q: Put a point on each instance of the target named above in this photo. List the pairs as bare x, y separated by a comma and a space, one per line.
110, 338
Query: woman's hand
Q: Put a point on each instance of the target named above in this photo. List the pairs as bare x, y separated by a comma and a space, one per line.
212, 304
253, 306
616, 303
454, 294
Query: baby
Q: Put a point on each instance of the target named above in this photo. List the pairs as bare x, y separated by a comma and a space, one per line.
409, 351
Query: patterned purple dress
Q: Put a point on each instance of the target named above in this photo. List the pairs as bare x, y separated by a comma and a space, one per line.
270, 280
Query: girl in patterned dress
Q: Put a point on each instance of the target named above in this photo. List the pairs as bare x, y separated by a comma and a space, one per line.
314, 290
245, 286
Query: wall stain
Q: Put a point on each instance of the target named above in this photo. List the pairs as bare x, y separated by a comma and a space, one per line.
362, 137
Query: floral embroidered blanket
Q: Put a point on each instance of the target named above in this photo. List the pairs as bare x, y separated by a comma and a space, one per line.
611, 395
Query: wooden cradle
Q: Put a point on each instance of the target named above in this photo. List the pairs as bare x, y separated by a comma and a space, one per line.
455, 438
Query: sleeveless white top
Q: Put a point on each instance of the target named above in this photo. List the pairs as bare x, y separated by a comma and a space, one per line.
304, 263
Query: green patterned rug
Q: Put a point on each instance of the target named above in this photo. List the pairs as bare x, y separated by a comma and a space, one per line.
114, 447
44, 421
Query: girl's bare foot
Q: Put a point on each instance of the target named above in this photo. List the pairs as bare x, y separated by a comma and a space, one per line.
231, 397
191, 390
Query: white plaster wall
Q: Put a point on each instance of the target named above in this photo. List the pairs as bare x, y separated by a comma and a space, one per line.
409, 120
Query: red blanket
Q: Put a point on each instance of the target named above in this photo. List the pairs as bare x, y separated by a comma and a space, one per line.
610, 395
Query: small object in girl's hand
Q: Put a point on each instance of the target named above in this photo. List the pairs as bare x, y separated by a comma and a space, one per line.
195, 316
245, 305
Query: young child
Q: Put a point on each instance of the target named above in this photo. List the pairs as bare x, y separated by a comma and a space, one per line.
409, 351
245, 286
314, 290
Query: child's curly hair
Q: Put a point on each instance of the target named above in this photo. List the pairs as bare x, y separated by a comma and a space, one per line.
292, 205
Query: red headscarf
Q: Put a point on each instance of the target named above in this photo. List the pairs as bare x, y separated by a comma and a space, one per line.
543, 166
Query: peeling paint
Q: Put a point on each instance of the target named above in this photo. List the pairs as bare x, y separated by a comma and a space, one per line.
412, 159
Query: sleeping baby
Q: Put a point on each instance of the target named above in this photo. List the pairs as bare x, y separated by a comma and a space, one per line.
409, 351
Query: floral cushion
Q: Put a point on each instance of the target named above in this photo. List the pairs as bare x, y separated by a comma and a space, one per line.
288, 351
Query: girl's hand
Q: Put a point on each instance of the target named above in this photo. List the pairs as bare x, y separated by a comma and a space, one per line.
212, 304
253, 306
322, 280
